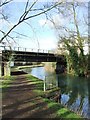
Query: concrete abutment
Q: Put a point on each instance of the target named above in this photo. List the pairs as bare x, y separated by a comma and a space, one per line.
4, 67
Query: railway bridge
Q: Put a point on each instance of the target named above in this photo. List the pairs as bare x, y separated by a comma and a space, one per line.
24, 55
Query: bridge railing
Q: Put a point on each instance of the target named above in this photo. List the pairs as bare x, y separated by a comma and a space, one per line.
25, 49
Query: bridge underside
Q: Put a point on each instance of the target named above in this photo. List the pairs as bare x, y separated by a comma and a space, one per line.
20, 56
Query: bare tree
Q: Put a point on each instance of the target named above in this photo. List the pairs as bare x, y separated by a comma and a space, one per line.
71, 35
29, 8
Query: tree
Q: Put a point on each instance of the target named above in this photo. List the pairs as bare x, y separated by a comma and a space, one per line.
72, 36
88, 34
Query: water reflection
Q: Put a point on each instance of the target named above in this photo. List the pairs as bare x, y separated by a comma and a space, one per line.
75, 91
88, 84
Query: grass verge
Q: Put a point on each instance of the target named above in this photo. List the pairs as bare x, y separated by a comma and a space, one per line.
5, 81
60, 111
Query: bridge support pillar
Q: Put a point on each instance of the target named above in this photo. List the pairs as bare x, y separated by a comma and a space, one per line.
0, 69
6, 69
60, 67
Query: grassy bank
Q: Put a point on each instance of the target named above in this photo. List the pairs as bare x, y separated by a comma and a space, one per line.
55, 109
61, 111
6, 81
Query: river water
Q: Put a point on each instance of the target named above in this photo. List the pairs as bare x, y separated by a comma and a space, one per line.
75, 91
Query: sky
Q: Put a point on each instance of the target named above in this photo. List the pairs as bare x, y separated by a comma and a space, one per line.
39, 34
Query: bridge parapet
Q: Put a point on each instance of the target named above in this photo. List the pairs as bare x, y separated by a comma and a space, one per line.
25, 49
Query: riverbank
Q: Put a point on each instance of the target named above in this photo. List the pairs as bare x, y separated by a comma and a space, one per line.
25, 66
18, 69
23, 99
30, 66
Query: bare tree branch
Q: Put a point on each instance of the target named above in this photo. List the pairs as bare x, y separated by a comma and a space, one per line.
24, 18
5, 2
21, 34
44, 11
34, 34
4, 33
27, 11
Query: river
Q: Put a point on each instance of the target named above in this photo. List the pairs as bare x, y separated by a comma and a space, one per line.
75, 91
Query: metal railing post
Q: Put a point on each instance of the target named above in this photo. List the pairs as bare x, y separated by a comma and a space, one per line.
4, 47
18, 48
14, 48
56, 82
38, 50
25, 49
45, 84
